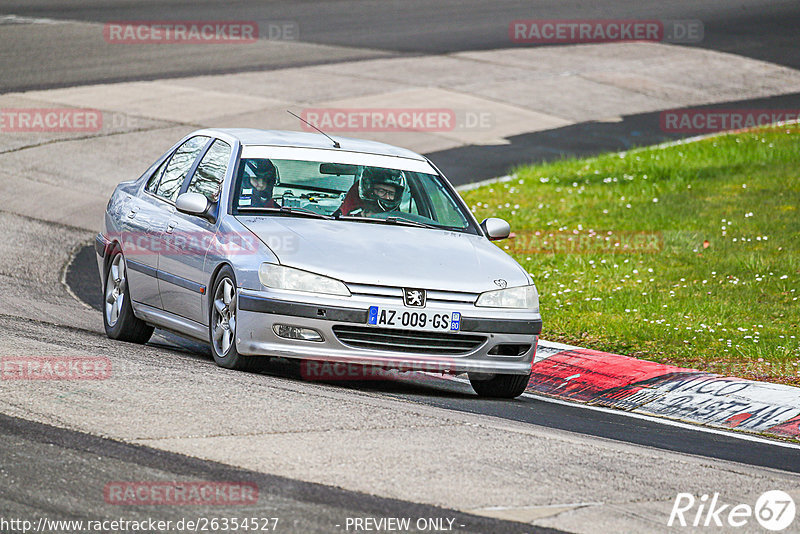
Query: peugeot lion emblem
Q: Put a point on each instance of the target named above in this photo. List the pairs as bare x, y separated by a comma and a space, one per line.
501, 283
414, 297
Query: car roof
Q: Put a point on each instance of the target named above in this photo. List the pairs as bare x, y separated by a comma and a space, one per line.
287, 138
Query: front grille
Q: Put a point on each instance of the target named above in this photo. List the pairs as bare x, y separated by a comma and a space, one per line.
396, 294
365, 337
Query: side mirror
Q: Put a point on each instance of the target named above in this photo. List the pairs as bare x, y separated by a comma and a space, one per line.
193, 204
495, 228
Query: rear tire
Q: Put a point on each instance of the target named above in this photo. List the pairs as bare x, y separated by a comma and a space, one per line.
499, 386
222, 324
118, 319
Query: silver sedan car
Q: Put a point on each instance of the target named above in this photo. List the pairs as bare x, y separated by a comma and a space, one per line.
293, 245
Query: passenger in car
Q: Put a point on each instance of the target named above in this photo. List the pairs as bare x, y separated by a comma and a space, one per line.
379, 190
258, 181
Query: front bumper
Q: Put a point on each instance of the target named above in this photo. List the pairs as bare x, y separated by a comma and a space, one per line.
258, 312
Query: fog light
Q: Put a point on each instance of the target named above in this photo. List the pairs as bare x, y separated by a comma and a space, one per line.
296, 332
509, 349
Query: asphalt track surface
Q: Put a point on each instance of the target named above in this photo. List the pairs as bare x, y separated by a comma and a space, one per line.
455, 395
760, 29
36, 455
43, 56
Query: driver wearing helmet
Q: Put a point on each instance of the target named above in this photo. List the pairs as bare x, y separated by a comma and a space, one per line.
379, 190
258, 180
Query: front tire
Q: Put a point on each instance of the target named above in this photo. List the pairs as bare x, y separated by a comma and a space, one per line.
499, 386
118, 319
222, 323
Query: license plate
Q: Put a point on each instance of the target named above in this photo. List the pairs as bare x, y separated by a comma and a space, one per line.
428, 320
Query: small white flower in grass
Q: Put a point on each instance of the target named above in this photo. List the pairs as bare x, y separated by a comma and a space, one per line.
655, 200
627, 206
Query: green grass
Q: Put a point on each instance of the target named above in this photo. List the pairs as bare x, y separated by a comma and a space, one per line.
728, 306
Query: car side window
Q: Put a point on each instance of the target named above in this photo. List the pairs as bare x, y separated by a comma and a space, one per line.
152, 182
207, 180
179, 166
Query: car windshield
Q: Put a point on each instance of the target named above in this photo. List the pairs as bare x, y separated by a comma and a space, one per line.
341, 191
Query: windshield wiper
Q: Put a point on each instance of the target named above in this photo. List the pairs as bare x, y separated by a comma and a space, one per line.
388, 220
408, 222
287, 210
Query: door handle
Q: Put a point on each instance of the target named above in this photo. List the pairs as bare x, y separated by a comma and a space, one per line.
171, 226
133, 212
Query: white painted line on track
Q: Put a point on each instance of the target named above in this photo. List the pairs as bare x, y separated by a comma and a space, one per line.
651, 418
543, 506
660, 146
664, 421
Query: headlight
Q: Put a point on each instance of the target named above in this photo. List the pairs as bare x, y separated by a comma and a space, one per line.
280, 277
525, 297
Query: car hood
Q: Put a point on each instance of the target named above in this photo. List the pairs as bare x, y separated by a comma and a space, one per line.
387, 255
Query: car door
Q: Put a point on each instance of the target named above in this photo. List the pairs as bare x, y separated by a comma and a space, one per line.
188, 237
140, 235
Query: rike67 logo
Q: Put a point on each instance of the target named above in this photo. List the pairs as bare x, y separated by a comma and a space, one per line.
774, 510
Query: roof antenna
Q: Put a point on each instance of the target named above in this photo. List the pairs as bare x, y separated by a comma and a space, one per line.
335, 142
